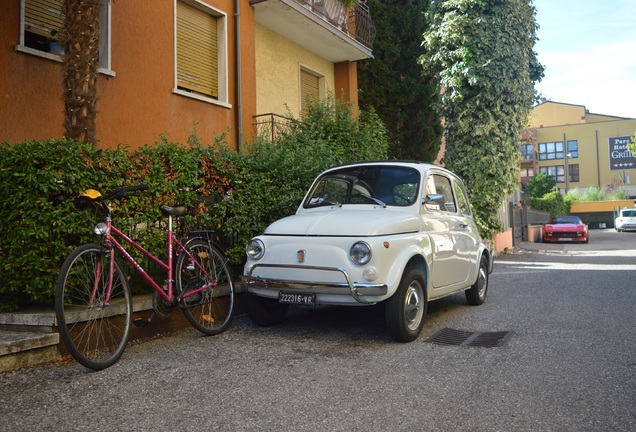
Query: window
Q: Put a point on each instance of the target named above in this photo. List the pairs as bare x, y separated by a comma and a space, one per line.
551, 150
41, 22
573, 149
526, 172
201, 54
440, 185
462, 199
574, 173
310, 89
526, 152
556, 172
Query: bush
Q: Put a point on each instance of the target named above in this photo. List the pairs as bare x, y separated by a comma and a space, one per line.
552, 203
41, 225
271, 178
238, 194
540, 185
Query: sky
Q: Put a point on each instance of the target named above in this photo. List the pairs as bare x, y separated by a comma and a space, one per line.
588, 48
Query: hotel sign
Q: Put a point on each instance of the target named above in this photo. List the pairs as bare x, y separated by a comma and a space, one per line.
620, 156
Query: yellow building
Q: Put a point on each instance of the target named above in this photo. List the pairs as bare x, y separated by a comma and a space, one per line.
592, 148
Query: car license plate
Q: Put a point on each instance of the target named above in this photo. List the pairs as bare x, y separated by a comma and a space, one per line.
566, 239
297, 299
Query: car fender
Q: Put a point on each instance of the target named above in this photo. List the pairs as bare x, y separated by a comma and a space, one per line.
420, 254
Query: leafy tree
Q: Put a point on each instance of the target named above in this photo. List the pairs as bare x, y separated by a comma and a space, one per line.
483, 53
540, 185
632, 145
394, 85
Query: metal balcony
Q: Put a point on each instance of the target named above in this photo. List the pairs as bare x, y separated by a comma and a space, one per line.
324, 27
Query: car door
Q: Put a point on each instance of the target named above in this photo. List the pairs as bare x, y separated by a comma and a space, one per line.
446, 227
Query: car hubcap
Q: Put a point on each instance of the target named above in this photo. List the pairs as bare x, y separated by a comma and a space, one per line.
483, 281
413, 305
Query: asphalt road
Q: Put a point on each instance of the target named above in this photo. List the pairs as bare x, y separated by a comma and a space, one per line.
569, 364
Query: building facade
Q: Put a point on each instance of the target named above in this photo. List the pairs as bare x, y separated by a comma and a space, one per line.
170, 66
578, 149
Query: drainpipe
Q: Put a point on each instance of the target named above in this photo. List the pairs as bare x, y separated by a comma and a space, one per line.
238, 83
598, 163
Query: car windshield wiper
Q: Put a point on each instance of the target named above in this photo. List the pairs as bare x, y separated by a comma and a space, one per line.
323, 203
377, 201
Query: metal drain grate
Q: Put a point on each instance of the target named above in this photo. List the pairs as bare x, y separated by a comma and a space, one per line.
448, 336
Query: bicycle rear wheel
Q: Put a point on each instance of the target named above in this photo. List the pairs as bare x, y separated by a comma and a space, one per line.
94, 332
209, 310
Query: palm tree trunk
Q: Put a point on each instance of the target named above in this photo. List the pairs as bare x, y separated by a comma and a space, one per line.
81, 45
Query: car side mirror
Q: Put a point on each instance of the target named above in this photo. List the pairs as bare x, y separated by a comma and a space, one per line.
435, 199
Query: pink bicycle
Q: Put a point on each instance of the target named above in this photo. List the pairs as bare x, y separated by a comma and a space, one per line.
93, 301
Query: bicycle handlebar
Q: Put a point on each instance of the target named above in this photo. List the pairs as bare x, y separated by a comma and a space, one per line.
124, 192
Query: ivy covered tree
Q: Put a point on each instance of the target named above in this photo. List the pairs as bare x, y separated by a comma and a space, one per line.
394, 85
482, 53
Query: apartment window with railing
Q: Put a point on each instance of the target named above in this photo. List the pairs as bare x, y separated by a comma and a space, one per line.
551, 150
201, 52
41, 24
556, 172
526, 152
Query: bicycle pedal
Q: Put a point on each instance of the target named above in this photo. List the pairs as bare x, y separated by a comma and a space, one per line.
141, 322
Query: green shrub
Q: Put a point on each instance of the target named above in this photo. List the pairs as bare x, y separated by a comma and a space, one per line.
236, 194
271, 178
552, 203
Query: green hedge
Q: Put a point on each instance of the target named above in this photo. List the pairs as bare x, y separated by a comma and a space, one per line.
552, 203
236, 194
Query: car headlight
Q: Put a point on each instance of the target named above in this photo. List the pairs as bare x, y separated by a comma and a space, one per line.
255, 249
360, 253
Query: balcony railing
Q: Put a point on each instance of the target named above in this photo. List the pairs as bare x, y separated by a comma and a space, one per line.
355, 21
271, 125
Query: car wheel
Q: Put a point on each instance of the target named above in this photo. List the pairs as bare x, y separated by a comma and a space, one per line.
265, 311
476, 294
406, 309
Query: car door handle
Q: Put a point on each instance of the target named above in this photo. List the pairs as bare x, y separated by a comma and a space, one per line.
463, 225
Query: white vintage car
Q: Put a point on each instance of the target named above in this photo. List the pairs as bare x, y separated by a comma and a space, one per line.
401, 233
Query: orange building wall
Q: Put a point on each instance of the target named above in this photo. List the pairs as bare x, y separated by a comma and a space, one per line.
137, 105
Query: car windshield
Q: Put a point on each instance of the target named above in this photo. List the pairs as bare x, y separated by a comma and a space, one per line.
629, 213
565, 220
372, 184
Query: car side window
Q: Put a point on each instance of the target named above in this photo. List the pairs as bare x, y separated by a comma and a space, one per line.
462, 199
441, 185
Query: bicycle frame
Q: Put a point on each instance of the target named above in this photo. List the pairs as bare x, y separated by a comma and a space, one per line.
110, 242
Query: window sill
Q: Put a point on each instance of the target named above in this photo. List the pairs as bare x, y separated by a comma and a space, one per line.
201, 98
57, 58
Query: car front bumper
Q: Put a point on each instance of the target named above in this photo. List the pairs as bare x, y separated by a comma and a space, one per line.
326, 292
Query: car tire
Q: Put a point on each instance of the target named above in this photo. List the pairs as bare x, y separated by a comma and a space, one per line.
405, 310
265, 311
476, 294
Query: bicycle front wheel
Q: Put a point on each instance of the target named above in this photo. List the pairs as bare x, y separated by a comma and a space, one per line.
206, 292
94, 331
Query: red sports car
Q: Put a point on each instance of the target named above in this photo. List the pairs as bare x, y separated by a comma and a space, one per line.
565, 229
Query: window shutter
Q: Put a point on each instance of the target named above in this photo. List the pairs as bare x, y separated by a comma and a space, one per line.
43, 16
197, 64
309, 90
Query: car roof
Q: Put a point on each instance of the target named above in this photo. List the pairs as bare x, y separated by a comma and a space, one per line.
422, 167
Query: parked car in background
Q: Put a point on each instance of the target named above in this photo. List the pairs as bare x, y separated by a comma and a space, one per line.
626, 220
565, 229
397, 233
